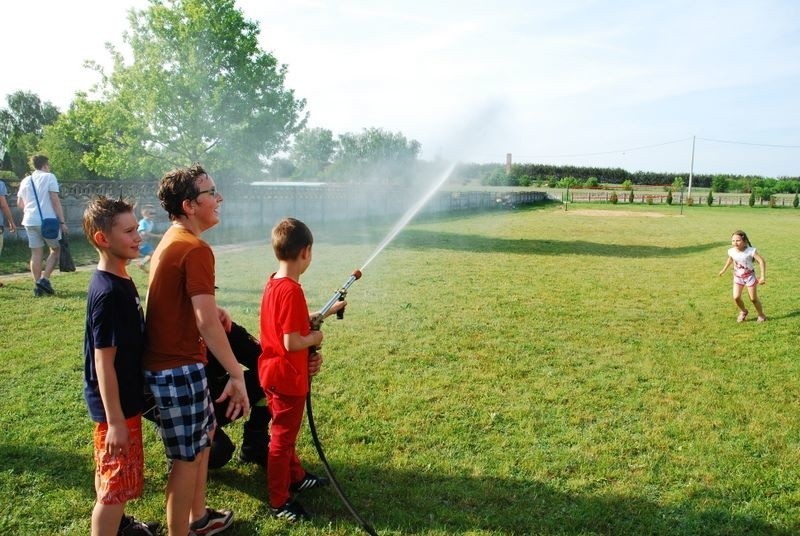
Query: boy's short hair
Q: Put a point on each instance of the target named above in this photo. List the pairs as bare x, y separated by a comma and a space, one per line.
289, 238
148, 209
39, 161
100, 213
177, 186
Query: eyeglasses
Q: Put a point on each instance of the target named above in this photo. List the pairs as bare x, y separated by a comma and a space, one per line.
213, 192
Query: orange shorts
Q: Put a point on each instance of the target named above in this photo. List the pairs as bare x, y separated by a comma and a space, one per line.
119, 478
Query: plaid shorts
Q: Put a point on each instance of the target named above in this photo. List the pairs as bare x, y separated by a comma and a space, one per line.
118, 478
186, 413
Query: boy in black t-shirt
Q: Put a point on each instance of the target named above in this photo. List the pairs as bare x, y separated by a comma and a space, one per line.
113, 377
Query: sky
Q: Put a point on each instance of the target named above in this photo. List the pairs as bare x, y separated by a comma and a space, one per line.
588, 83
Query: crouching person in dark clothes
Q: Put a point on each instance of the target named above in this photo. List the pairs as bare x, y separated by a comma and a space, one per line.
255, 443
255, 440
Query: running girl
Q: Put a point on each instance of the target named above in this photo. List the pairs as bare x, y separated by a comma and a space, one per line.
742, 255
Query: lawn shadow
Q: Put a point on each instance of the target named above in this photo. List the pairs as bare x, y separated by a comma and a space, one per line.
57, 466
422, 239
788, 314
421, 503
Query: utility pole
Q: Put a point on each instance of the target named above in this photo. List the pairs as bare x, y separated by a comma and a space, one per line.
691, 169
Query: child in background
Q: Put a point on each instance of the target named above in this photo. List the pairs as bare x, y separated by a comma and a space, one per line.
284, 368
113, 379
742, 255
145, 229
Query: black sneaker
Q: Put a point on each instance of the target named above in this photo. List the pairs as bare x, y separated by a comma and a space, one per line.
37, 292
291, 512
214, 522
45, 285
310, 481
130, 526
254, 452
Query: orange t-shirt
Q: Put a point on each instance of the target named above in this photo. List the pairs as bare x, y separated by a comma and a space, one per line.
182, 267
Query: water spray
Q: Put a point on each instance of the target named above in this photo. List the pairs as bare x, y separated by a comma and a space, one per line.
316, 323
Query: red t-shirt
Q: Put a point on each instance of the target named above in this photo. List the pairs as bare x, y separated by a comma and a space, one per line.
283, 310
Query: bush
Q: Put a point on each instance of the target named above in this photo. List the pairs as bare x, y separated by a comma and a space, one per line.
524, 180
648, 199
752, 200
592, 182
627, 185
795, 201
669, 197
689, 201
6, 175
710, 198
613, 199
630, 197
773, 201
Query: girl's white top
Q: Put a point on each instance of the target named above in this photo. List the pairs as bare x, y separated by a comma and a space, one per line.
742, 261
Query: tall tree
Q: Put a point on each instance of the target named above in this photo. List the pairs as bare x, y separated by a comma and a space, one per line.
375, 155
100, 139
312, 152
199, 89
21, 125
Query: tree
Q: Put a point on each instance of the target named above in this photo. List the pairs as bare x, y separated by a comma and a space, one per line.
104, 137
74, 141
198, 89
280, 168
375, 155
497, 177
312, 152
720, 183
21, 126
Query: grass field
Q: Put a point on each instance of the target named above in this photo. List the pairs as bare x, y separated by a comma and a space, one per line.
524, 372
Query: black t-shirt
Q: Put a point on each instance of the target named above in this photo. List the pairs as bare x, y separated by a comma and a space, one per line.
114, 317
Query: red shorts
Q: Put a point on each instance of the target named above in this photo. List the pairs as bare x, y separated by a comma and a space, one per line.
119, 478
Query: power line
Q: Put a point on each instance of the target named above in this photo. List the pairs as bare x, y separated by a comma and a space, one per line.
753, 144
628, 150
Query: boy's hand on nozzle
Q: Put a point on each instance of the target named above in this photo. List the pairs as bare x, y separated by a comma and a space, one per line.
337, 307
314, 363
235, 393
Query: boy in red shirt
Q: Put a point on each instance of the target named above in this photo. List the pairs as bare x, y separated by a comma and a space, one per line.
284, 367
